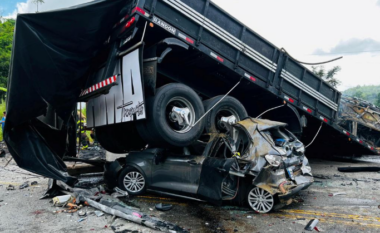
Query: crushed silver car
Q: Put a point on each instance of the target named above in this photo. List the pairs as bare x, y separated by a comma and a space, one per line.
255, 161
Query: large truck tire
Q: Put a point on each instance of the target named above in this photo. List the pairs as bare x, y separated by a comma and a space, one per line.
119, 138
229, 106
163, 128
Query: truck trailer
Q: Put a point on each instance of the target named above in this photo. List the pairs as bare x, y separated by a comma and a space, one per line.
156, 73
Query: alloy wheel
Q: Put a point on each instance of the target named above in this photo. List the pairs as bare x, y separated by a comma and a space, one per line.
260, 200
134, 182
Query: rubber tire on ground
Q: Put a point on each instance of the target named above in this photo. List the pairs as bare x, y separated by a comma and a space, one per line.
119, 138
228, 103
156, 130
123, 173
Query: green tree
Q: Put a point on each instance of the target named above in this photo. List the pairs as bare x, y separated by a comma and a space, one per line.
367, 92
6, 38
328, 76
36, 2
359, 94
377, 103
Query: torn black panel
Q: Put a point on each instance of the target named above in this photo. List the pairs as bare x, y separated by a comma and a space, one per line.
52, 53
31, 152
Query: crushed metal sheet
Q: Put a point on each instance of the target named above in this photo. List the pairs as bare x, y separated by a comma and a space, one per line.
311, 225
98, 213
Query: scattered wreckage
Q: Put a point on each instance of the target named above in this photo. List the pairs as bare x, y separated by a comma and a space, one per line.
361, 118
256, 161
77, 199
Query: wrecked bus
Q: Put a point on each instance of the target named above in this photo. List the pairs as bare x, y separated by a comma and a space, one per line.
155, 73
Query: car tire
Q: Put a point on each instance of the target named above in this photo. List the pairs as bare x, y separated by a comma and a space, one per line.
260, 200
159, 129
132, 181
227, 107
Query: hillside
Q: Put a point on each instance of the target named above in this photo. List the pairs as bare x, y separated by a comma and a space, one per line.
370, 93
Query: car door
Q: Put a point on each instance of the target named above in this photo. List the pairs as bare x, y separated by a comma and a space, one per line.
177, 174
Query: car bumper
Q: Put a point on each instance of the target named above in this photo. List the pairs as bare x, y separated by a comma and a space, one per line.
303, 182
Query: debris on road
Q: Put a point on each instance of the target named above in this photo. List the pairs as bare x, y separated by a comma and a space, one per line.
104, 203
144, 220
24, 185
322, 177
164, 207
363, 158
99, 213
62, 200
336, 194
82, 213
359, 169
119, 193
82, 219
311, 225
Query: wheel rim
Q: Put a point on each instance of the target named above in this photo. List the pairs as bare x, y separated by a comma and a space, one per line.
260, 200
134, 182
224, 112
174, 123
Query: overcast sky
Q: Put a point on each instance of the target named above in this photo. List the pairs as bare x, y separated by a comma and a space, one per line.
311, 31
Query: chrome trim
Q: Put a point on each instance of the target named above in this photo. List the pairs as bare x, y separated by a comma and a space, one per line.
150, 59
236, 174
175, 195
136, 45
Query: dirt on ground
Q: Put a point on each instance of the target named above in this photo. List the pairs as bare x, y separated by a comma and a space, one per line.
356, 209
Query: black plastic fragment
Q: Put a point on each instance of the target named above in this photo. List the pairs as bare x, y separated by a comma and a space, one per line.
359, 169
164, 207
24, 185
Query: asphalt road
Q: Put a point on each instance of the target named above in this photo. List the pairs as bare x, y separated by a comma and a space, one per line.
355, 211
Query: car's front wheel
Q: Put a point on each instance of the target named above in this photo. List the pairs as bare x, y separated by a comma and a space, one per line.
260, 200
132, 181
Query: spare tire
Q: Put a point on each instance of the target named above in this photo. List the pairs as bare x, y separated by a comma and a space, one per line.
229, 106
163, 126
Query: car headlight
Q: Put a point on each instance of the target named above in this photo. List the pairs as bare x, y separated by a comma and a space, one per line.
274, 160
299, 148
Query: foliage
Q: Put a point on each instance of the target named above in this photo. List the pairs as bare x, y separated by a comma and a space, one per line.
371, 93
6, 38
3, 94
328, 76
377, 102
